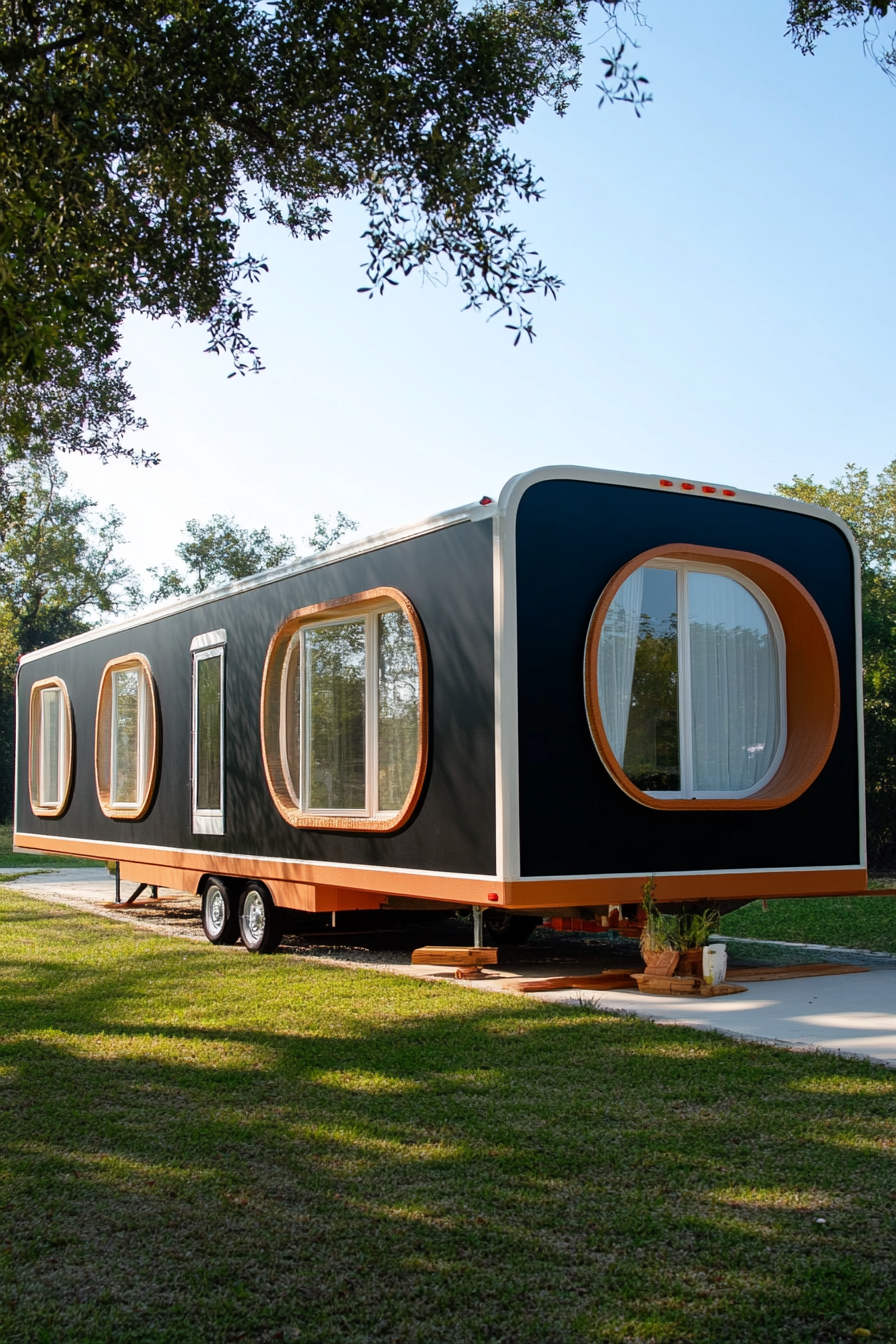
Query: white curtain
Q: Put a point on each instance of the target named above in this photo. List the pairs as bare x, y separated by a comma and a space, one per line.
734, 685
616, 660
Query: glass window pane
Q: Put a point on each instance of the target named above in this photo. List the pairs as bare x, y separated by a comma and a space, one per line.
208, 733
291, 711
398, 708
50, 713
734, 685
637, 677
335, 658
125, 730
651, 744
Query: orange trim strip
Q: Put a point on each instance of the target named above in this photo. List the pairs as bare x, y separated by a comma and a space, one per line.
271, 696
103, 740
364, 888
34, 712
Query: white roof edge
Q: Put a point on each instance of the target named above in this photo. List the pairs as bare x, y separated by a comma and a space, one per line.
507, 503
516, 487
360, 546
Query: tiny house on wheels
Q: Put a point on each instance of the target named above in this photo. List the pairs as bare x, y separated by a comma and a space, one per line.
527, 707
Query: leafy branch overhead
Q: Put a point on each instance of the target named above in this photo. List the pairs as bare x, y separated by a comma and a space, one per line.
138, 137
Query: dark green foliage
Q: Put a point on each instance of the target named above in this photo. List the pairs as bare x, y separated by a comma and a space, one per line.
216, 551
137, 137
58, 572
870, 509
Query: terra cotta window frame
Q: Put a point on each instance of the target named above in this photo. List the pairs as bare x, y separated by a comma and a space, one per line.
103, 740
812, 691
68, 758
358, 604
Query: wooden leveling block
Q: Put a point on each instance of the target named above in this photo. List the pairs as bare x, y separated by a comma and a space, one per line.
454, 956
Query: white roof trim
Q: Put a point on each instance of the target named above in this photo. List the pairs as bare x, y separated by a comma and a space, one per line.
509, 499
376, 541
212, 639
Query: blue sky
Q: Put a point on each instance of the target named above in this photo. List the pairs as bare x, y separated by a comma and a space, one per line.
727, 312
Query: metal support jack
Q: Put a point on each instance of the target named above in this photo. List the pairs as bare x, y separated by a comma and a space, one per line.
153, 890
477, 926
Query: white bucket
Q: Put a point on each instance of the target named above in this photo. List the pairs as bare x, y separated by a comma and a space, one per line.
715, 963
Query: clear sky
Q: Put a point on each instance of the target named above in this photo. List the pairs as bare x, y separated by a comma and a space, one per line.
727, 312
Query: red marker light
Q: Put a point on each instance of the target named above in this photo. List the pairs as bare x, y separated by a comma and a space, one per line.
729, 493
667, 483
685, 485
485, 500
708, 489
493, 896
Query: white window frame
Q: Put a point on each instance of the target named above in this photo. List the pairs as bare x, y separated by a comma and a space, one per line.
142, 743
685, 735
371, 715
212, 644
61, 749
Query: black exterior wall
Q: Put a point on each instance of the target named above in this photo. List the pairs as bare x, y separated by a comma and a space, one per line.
571, 538
447, 574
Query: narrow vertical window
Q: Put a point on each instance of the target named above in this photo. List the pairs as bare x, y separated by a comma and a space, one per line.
335, 679
398, 709
208, 733
343, 713
128, 758
126, 738
50, 756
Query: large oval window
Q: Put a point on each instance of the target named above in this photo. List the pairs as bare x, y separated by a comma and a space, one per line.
344, 722
690, 682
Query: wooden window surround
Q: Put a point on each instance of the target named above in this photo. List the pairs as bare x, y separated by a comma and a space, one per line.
66, 740
358, 604
813, 680
103, 741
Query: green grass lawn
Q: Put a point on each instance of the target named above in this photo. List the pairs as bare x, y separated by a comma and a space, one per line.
839, 921
202, 1145
10, 860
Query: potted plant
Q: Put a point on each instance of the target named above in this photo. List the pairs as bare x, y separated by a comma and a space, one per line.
674, 941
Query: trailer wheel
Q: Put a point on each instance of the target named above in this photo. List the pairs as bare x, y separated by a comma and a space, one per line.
261, 923
220, 922
507, 930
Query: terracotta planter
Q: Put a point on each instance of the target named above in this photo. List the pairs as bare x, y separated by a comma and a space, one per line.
661, 963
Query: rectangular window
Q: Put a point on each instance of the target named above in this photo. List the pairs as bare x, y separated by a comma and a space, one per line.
208, 739
127, 762
51, 746
351, 715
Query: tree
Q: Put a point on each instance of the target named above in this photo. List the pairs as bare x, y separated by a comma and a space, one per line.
58, 572
216, 551
870, 509
327, 534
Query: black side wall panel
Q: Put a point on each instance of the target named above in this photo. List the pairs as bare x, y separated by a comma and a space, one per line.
572, 537
447, 574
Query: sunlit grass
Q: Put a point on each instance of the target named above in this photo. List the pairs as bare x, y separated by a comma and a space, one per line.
198, 1145
836, 921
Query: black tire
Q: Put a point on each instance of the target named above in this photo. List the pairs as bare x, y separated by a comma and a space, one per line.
261, 923
502, 929
220, 921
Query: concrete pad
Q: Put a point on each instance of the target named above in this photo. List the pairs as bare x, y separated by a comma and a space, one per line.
850, 1014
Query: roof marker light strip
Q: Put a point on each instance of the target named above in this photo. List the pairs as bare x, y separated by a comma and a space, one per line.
704, 489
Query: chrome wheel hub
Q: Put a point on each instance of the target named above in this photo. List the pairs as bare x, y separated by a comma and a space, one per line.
217, 911
253, 916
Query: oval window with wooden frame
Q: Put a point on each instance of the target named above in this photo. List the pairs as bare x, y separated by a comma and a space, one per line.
711, 681
127, 738
344, 713
51, 734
